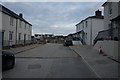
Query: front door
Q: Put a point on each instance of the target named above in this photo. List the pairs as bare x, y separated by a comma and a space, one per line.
24, 38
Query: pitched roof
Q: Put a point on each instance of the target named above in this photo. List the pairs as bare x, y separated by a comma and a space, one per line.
11, 13
104, 4
95, 17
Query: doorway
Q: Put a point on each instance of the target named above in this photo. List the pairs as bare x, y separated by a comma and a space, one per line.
24, 39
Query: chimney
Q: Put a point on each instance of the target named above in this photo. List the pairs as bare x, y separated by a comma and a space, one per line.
98, 13
21, 15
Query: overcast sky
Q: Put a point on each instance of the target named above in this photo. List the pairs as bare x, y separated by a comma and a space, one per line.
54, 17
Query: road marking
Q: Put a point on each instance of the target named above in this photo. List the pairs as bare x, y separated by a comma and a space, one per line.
48, 57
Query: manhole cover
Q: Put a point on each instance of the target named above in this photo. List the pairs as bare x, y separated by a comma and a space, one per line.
34, 66
101, 61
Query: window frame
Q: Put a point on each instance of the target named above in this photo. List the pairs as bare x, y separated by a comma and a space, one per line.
110, 8
19, 36
20, 23
11, 21
10, 35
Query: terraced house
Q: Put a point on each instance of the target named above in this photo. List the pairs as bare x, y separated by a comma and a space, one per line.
88, 28
15, 29
109, 38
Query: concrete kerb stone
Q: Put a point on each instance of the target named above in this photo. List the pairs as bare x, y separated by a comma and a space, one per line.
92, 69
26, 49
22, 49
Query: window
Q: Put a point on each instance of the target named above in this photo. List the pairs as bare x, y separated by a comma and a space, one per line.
10, 35
110, 8
110, 25
36, 35
119, 7
77, 28
25, 26
12, 21
19, 36
83, 25
29, 27
86, 24
20, 23
28, 37
86, 35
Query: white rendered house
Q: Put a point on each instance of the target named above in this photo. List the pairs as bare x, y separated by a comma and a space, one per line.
15, 29
88, 28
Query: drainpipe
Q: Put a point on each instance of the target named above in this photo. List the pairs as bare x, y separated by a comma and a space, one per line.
91, 34
16, 31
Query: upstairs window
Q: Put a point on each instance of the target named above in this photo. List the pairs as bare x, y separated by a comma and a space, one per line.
20, 23
110, 8
29, 27
12, 21
86, 23
83, 24
25, 26
36, 35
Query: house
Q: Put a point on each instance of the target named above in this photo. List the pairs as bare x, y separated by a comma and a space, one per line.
112, 18
15, 29
88, 28
110, 35
42, 38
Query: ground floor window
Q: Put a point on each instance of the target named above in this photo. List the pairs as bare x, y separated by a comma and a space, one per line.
19, 36
10, 35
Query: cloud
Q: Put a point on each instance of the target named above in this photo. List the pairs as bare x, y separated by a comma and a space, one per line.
54, 0
54, 17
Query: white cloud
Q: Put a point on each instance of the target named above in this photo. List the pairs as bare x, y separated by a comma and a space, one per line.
72, 8
54, 0
57, 18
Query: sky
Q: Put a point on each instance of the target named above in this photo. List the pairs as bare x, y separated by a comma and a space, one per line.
58, 18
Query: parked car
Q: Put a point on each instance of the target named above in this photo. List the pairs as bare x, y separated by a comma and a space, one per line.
76, 41
8, 60
68, 43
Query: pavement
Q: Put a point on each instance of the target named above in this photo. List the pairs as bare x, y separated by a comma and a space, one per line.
22, 49
102, 66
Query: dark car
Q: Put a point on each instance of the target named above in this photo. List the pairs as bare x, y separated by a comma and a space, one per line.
68, 43
8, 60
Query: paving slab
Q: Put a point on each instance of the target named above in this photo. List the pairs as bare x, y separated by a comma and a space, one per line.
100, 64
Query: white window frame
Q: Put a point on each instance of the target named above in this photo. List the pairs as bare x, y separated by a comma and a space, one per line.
110, 8
19, 36
20, 23
12, 21
25, 26
10, 35
86, 23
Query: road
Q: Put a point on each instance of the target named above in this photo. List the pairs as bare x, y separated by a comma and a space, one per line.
49, 61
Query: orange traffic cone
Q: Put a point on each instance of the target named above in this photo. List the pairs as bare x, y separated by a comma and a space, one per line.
100, 50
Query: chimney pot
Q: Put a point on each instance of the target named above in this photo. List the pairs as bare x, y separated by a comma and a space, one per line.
98, 13
21, 15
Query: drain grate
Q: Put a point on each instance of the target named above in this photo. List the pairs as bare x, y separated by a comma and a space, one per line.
34, 66
101, 61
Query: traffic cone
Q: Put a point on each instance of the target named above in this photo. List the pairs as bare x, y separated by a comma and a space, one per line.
100, 50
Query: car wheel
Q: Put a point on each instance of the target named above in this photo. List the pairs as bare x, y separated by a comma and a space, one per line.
10, 63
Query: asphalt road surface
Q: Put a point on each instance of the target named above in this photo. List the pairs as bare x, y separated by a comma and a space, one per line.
49, 61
